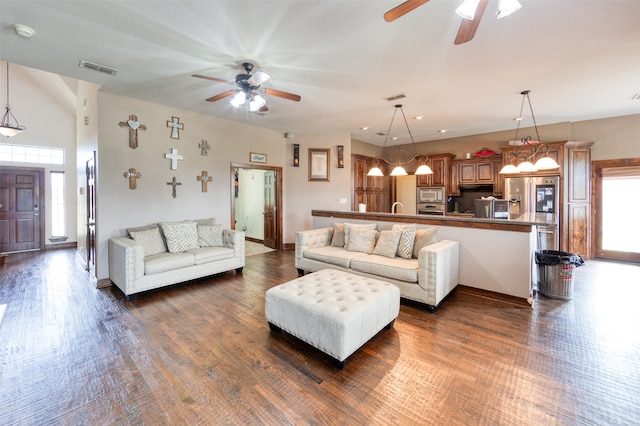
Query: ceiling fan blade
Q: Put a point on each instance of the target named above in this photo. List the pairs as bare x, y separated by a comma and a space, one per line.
403, 9
212, 78
258, 78
221, 96
281, 94
468, 27
263, 109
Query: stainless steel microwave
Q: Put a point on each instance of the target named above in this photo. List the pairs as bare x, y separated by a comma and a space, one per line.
430, 195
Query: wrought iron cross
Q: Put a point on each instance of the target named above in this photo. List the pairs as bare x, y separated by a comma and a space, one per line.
132, 174
175, 127
204, 178
174, 183
134, 125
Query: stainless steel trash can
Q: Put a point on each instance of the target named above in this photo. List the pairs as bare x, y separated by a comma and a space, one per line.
556, 272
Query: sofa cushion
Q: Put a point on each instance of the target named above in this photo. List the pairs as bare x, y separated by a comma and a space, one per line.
207, 221
210, 235
337, 239
405, 246
387, 244
396, 268
424, 237
362, 240
211, 254
333, 255
167, 261
349, 227
180, 236
150, 239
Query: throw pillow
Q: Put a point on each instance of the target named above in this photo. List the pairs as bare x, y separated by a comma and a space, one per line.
424, 237
207, 221
405, 246
180, 236
151, 240
348, 227
387, 244
210, 235
362, 241
338, 235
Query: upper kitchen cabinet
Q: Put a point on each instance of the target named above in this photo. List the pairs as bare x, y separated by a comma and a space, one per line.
476, 171
440, 164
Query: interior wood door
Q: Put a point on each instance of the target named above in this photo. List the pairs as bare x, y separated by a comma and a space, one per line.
90, 176
270, 225
21, 209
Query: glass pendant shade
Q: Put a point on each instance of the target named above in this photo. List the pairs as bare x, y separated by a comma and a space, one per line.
256, 103
507, 7
526, 166
399, 171
239, 99
6, 127
424, 170
467, 9
509, 168
375, 171
546, 163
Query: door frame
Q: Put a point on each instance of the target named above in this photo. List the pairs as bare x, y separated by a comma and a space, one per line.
596, 207
278, 183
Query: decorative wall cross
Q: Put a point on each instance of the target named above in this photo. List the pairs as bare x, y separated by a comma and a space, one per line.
174, 157
132, 174
204, 178
175, 127
174, 183
134, 125
204, 147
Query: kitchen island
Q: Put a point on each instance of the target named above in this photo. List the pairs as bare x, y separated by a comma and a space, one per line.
496, 255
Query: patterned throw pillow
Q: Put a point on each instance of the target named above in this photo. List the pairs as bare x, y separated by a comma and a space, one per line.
338, 235
151, 240
362, 240
424, 237
180, 236
387, 244
210, 235
348, 227
405, 246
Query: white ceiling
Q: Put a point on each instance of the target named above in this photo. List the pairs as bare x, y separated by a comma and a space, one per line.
579, 58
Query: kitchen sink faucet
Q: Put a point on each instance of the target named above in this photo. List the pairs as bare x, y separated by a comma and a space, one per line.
393, 206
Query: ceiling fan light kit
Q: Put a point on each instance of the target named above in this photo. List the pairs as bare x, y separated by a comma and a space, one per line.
467, 9
528, 149
507, 7
423, 169
7, 128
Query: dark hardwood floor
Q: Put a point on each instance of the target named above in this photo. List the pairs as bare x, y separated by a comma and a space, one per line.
202, 353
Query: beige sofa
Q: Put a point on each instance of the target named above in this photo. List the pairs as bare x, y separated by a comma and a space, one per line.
167, 253
426, 272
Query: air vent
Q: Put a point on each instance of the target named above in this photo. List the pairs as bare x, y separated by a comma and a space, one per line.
381, 134
99, 68
393, 98
636, 97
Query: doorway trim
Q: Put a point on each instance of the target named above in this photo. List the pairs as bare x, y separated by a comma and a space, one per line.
278, 181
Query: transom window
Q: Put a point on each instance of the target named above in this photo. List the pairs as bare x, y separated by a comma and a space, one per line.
31, 154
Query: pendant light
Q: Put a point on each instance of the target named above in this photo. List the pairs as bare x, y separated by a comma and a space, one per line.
6, 127
528, 149
423, 169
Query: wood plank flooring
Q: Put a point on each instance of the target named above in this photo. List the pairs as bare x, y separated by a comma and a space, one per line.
202, 353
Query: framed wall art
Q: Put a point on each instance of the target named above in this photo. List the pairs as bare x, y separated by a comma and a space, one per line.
319, 164
254, 157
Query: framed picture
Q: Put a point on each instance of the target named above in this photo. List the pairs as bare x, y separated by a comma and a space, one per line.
319, 164
254, 157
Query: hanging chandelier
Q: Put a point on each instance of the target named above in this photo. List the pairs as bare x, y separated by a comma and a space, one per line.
6, 127
529, 149
422, 169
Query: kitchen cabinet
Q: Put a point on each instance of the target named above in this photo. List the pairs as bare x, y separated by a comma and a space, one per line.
476, 171
370, 190
440, 164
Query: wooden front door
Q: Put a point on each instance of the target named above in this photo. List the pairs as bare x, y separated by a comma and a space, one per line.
21, 209
270, 227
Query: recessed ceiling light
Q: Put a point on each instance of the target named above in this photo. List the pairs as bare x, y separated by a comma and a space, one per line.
518, 119
364, 128
24, 31
395, 138
418, 117
442, 131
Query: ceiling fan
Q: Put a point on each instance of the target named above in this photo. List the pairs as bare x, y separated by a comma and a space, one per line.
248, 88
470, 10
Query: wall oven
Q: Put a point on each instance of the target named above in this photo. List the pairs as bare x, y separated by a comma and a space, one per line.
436, 209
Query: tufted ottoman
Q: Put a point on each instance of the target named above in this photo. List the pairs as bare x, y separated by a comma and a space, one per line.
334, 311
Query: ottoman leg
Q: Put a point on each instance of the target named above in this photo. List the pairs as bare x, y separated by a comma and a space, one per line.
390, 325
338, 364
274, 328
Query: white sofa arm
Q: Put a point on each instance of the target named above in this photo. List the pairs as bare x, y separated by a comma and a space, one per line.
235, 240
311, 238
438, 269
126, 261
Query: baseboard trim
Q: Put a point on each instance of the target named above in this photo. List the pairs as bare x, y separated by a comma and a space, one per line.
289, 246
487, 294
72, 244
103, 283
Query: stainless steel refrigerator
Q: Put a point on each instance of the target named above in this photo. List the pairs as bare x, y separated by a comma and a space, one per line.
539, 196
